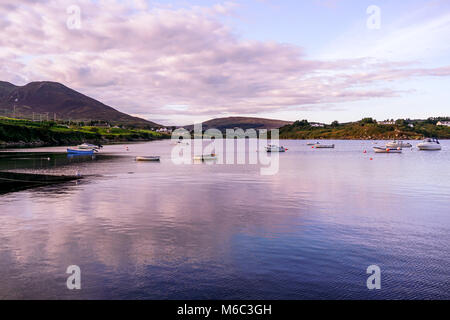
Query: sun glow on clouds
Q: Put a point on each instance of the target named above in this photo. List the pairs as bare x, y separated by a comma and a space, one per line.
169, 62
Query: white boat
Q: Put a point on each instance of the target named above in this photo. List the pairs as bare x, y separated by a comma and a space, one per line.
312, 143
148, 158
387, 150
429, 144
87, 146
274, 148
206, 157
323, 146
398, 144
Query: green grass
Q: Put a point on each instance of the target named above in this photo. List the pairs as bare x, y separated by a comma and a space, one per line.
51, 133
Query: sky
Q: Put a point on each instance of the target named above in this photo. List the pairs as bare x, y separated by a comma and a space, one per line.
179, 62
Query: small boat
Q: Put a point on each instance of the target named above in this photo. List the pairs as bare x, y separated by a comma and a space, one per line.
88, 146
274, 148
429, 144
398, 144
81, 152
206, 157
312, 143
150, 158
387, 150
323, 146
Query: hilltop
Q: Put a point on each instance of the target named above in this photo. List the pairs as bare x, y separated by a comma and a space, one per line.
241, 122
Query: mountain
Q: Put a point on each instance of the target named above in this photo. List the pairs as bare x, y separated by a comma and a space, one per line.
241, 122
67, 104
5, 89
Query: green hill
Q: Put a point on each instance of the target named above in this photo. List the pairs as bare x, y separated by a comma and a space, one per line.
367, 129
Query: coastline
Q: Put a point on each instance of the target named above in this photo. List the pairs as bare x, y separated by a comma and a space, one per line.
29, 135
39, 144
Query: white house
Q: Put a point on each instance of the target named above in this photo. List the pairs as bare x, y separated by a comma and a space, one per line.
443, 123
386, 122
164, 130
318, 125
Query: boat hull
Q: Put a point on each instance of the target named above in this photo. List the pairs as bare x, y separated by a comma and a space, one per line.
80, 152
386, 150
324, 146
429, 147
205, 158
275, 149
154, 159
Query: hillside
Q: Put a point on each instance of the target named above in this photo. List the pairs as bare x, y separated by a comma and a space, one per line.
24, 133
67, 104
366, 129
241, 122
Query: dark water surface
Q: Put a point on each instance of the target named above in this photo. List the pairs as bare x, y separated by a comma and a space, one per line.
165, 231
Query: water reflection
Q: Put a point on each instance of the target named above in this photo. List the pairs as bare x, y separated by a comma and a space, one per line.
224, 231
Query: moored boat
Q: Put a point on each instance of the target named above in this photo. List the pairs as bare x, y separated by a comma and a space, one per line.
206, 157
274, 148
148, 158
387, 150
429, 144
323, 146
88, 146
81, 152
398, 144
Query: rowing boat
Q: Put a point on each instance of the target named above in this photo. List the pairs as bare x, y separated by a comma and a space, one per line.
323, 146
148, 158
386, 150
206, 157
81, 152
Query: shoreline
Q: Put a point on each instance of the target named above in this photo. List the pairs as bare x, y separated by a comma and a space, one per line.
41, 144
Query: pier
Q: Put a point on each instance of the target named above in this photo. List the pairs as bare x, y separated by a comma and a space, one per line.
14, 181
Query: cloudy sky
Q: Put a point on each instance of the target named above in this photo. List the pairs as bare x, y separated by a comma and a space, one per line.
176, 62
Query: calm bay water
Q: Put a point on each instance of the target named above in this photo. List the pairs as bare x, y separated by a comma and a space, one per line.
166, 231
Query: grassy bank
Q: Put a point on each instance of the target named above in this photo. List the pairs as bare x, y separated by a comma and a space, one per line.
23, 133
366, 129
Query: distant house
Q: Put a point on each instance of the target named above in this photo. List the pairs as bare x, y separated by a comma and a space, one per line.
164, 130
443, 123
385, 123
317, 125
411, 125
